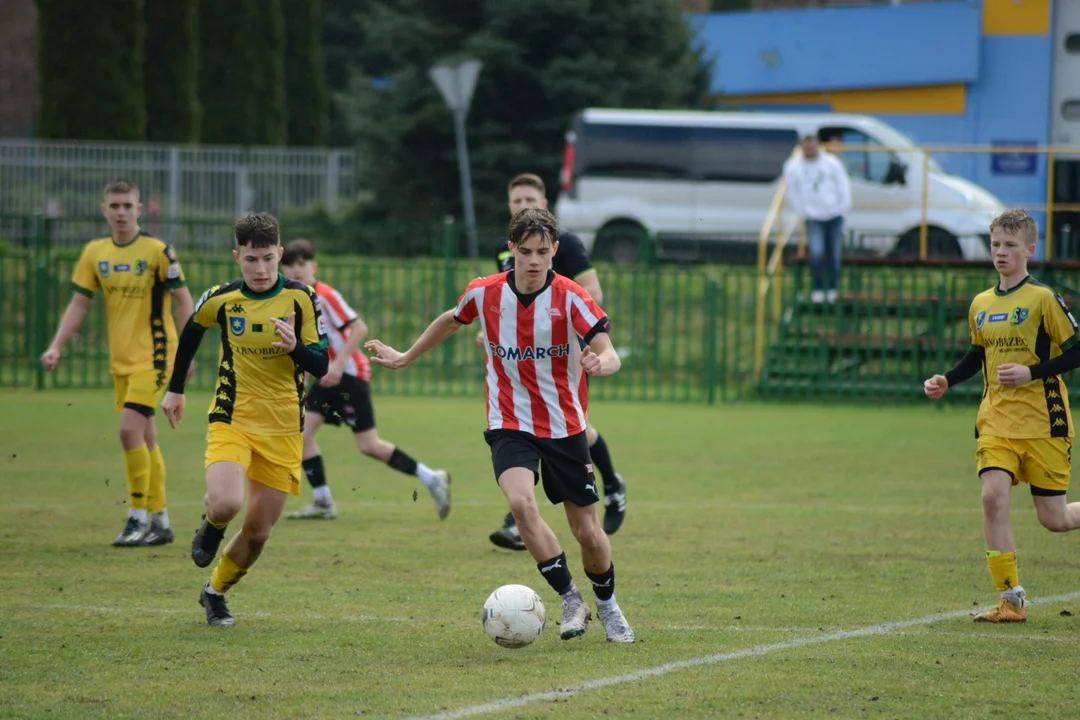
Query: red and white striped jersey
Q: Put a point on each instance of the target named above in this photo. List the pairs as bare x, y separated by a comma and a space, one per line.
535, 382
338, 316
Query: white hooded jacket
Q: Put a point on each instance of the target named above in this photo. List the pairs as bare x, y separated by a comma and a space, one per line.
818, 189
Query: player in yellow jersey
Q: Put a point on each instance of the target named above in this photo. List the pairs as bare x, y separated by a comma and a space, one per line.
142, 281
272, 333
1023, 338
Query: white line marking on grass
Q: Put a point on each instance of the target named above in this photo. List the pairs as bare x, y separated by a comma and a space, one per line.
757, 650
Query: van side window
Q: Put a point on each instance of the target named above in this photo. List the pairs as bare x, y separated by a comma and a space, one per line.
862, 161
635, 151
755, 155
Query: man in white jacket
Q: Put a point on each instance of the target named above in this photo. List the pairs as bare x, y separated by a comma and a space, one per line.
819, 190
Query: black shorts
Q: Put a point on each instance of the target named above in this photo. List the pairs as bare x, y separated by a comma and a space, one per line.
563, 463
347, 402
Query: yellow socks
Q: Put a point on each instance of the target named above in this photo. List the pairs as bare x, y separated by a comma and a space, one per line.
137, 469
1003, 569
155, 499
226, 574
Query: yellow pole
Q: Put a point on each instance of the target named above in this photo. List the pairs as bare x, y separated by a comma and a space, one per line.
925, 190
1049, 229
759, 326
778, 293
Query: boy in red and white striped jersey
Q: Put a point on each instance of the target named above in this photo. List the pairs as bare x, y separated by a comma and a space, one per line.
343, 395
537, 398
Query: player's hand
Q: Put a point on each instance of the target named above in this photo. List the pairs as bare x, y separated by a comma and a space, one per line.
50, 358
333, 376
190, 371
591, 362
173, 405
285, 332
480, 339
935, 387
1013, 375
385, 355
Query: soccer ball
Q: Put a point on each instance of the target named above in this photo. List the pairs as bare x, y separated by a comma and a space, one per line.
514, 616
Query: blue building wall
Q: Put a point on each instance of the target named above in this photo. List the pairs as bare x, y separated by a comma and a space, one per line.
856, 59
837, 48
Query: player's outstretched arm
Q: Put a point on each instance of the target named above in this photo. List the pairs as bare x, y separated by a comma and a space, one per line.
604, 362
439, 330
73, 317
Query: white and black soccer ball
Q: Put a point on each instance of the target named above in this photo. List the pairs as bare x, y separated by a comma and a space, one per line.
514, 616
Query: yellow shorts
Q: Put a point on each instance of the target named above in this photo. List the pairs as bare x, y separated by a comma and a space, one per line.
1043, 463
273, 460
145, 387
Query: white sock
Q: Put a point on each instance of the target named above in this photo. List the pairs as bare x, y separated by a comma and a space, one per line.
210, 589
137, 513
425, 474
321, 495
609, 603
1015, 595
572, 590
162, 519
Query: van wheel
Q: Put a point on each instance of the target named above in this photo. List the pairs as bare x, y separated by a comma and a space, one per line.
939, 244
620, 242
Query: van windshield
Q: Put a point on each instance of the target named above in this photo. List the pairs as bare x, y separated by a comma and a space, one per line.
891, 137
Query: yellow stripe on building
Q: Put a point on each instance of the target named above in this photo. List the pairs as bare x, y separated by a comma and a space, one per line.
923, 100
1017, 17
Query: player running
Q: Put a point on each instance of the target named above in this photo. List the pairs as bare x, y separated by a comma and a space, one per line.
1024, 339
532, 319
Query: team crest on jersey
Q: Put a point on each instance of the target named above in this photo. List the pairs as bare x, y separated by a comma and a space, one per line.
554, 312
103, 268
1018, 315
140, 267
237, 325
980, 318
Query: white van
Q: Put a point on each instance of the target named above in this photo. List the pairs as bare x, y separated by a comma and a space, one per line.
700, 184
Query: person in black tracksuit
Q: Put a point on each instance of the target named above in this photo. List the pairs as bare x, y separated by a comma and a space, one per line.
571, 260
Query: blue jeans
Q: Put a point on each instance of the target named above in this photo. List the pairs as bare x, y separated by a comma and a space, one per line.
823, 239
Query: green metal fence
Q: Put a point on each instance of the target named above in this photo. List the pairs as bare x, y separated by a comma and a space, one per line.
685, 333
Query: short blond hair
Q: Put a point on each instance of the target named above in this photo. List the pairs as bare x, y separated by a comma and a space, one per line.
1017, 222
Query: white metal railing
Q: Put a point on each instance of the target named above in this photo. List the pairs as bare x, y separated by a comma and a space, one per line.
65, 179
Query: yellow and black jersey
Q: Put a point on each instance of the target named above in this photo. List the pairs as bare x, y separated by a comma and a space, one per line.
260, 388
136, 279
1026, 325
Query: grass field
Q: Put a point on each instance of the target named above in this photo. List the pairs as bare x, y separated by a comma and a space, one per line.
775, 563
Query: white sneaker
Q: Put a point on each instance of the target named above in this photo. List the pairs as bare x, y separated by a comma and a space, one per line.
576, 615
817, 296
831, 296
440, 492
615, 625
314, 511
